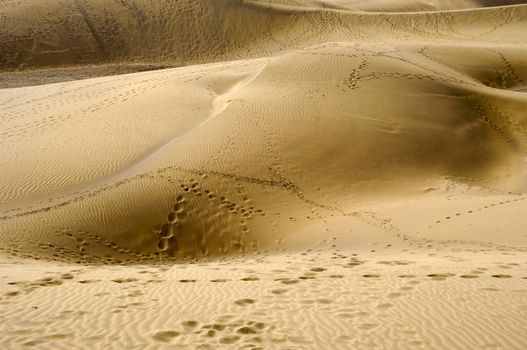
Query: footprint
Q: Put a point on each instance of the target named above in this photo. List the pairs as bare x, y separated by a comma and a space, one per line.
190, 324
125, 280
57, 336
244, 302
246, 330
165, 336
324, 301
279, 291
394, 295
67, 276
229, 339
287, 280
33, 342
440, 276
250, 279
318, 269
502, 276
210, 333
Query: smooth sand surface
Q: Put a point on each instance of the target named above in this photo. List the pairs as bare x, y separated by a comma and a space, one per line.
289, 174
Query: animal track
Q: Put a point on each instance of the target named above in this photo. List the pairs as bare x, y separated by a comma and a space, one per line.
244, 302
165, 336
488, 206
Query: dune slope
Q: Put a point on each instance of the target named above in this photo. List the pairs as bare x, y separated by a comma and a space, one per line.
318, 174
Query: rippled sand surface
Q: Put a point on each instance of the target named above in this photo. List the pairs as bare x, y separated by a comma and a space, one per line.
286, 174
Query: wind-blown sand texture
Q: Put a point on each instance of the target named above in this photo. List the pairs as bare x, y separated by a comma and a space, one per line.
286, 174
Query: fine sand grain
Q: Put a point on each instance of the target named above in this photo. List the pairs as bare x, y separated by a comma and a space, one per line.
286, 174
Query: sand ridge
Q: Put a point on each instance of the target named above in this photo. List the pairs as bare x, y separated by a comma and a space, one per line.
66, 33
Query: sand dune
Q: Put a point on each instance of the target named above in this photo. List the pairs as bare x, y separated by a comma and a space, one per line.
263, 174
414, 5
65, 33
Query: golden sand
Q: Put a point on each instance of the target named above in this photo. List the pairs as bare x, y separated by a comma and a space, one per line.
286, 174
